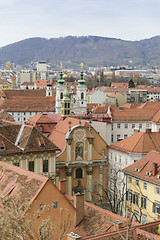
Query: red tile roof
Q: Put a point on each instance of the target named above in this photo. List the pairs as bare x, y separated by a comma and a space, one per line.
146, 165
138, 143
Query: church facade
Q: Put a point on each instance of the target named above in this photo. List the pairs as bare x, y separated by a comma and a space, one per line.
83, 158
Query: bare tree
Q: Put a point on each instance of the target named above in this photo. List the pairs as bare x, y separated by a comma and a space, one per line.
18, 222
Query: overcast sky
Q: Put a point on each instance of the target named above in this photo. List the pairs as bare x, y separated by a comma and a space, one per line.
125, 19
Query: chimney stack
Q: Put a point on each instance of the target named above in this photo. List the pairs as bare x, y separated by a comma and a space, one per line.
136, 130
79, 205
154, 168
148, 130
118, 225
63, 186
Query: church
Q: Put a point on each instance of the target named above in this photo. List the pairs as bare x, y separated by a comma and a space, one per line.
75, 103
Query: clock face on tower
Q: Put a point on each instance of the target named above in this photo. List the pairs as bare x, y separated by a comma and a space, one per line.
79, 134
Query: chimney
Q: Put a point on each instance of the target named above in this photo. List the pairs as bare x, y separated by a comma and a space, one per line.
154, 168
63, 186
73, 235
148, 130
118, 225
79, 205
136, 130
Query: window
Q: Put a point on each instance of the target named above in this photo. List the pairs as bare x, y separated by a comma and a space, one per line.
16, 164
133, 125
129, 196
115, 158
118, 137
125, 136
136, 216
79, 173
61, 95
112, 127
118, 125
112, 138
41, 206
157, 190
126, 125
156, 207
31, 166
147, 125
79, 150
145, 185
140, 125
82, 95
119, 159
24, 119
144, 219
136, 198
55, 204
137, 182
129, 179
45, 165
111, 155
41, 128
24, 113
143, 202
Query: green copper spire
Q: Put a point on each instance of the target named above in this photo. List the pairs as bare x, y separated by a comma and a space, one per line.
81, 81
61, 80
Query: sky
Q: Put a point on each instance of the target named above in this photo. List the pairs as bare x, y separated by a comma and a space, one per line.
124, 19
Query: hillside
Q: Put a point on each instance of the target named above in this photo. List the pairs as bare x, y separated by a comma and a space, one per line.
92, 50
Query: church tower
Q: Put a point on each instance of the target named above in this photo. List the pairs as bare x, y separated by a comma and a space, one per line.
66, 104
59, 92
81, 97
49, 90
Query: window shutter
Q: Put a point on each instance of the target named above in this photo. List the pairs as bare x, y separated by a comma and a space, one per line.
154, 207
134, 198
145, 203
141, 201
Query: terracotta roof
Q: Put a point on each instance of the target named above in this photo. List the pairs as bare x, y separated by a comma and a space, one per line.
146, 165
98, 220
13, 179
58, 134
29, 140
138, 143
27, 84
40, 118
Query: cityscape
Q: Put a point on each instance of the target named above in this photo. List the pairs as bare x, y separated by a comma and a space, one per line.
79, 120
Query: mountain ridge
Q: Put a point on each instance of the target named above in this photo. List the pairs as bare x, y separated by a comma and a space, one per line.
92, 50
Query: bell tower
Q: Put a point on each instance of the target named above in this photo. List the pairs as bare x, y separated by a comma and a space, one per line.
66, 104
81, 97
59, 91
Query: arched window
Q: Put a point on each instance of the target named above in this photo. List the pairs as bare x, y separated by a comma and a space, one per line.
79, 173
82, 95
79, 150
61, 95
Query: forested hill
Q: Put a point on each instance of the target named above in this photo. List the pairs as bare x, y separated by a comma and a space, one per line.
92, 50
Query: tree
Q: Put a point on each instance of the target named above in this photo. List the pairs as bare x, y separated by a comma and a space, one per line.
131, 84
17, 221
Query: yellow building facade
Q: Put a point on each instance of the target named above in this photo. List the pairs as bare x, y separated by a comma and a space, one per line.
143, 189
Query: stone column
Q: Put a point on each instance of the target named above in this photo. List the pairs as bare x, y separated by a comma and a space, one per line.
90, 140
69, 181
69, 141
89, 184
